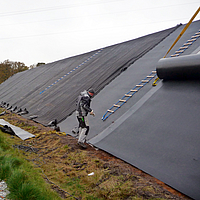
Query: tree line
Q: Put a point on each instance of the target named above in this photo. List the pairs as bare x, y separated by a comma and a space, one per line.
9, 68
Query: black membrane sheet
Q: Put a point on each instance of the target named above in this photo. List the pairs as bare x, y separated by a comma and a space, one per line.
50, 91
157, 130
160, 135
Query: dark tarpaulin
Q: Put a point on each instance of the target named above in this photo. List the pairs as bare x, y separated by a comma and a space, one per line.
49, 92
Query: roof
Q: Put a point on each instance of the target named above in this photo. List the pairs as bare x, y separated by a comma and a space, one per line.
49, 91
156, 129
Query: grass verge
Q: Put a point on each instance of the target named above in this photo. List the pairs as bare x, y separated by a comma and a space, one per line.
24, 182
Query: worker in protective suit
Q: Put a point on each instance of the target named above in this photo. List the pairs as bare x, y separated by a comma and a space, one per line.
82, 110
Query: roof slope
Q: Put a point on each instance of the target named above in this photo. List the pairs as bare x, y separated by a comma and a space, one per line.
50, 91
157, 130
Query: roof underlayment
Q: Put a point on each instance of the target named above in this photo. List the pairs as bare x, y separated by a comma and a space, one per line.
50, 91
156, 130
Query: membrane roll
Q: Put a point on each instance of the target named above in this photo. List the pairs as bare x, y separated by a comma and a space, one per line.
179, 68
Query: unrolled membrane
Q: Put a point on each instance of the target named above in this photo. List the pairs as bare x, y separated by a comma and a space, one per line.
179, 68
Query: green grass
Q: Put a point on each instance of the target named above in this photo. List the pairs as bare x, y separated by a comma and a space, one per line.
24, 182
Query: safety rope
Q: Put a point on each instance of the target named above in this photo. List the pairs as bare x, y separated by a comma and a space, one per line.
128, 95
80, 65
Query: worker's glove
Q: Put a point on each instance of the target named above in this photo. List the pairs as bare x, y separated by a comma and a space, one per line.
92, 113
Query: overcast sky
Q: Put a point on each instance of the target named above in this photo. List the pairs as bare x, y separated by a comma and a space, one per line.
35, 31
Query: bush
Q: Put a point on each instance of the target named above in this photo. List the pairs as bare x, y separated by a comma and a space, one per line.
25, 190
5, 171
7, 165
16, 181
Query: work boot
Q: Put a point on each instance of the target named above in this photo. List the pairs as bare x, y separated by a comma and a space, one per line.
82, 145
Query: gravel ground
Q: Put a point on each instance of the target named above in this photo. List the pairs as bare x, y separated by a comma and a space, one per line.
3, 190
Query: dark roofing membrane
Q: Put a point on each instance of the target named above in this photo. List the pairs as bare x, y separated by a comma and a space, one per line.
157, 130
50, 91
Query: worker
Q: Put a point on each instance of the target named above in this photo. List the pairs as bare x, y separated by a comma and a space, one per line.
82, 110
